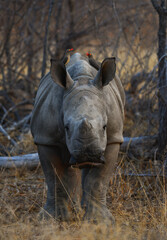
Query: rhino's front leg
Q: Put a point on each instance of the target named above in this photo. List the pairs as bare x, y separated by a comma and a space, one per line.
68, 193
45, 156
95, 183
62, 182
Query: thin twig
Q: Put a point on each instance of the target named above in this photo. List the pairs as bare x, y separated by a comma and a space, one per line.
18, 124
2, 130
14, 107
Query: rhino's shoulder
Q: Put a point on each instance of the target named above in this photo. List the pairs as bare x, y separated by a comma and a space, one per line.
46, 121
47, 89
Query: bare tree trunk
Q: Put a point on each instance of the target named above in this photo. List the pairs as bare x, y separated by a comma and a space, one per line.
8, 57
7, 49
162, 84
46, 38
71, 23
64, 44
29, 60
57, 34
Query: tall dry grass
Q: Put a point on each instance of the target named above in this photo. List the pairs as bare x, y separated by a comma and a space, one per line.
138, 204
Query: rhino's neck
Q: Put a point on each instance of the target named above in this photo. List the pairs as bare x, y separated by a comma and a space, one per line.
82, 89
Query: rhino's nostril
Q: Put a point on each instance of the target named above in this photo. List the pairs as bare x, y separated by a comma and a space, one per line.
72, 161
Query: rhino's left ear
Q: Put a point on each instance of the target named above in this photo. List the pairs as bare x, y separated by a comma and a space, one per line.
59, 74
106, 72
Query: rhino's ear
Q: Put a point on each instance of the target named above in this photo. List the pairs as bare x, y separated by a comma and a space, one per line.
59, 74
106, 72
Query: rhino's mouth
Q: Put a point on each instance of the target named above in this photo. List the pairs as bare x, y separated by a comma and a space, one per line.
86, 164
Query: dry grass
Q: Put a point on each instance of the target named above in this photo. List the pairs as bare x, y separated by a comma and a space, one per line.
138, 204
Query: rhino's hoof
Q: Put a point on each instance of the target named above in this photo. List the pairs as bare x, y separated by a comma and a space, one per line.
63, 214
97, 216
46, 214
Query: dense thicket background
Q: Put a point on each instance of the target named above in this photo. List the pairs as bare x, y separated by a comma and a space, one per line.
31, 32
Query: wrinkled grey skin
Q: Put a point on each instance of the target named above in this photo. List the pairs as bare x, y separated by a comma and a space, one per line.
78, 120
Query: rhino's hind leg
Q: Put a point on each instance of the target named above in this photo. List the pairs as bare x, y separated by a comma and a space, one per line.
95, 184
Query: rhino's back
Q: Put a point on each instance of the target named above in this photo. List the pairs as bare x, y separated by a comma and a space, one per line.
46, 121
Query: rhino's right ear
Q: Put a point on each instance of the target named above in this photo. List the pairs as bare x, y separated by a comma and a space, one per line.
59, 74
106, 72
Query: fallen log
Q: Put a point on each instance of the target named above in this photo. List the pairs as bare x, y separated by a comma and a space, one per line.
28, 160
137, 147
143, 147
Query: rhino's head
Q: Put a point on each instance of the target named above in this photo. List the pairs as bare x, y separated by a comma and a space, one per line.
84, 112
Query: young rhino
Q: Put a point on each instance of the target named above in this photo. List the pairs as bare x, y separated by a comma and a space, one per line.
78, 121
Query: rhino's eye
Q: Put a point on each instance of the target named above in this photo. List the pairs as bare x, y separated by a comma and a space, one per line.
104, 127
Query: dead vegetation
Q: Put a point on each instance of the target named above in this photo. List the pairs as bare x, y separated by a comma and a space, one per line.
35, 31
138, 204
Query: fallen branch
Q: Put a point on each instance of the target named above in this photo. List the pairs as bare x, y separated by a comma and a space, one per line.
28, 160
143, 174
143, 147
32, 161
131, 146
